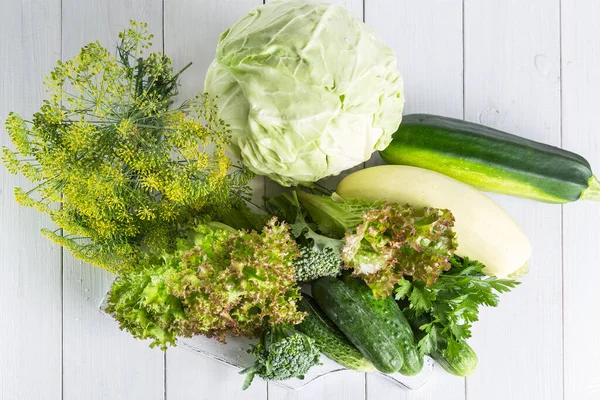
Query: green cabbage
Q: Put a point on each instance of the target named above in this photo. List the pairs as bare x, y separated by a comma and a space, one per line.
308, 90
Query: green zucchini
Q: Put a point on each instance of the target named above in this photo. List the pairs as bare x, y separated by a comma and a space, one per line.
329, 339
492, 160
361, 325
391, 315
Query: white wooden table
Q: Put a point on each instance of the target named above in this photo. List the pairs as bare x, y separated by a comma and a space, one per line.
527, 66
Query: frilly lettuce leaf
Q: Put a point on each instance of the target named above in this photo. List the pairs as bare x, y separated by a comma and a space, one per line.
219, 282
288, 207
396, 241
382, 242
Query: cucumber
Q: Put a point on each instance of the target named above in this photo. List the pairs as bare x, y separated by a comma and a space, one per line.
492, 160
361, 325
484, 231
391, 315
463, 363
329, 339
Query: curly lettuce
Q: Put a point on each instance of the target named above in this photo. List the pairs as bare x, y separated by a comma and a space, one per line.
219, 282
396, 241
383, 242
232, 285
142, 305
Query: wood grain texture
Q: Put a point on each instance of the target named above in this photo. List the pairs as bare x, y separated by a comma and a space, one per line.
192, 30
30, 268
100, 361
512, 76
427, 39
581, 238
191, 376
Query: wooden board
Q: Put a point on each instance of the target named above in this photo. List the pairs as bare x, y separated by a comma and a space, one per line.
581, 240
30, 265
101, 362
512, 75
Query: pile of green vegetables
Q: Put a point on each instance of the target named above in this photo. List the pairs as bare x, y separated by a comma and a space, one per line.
401, 293
392, 266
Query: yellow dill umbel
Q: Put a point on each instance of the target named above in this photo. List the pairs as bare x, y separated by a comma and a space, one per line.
129, 170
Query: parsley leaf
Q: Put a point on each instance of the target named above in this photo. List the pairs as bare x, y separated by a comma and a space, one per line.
402, 289
421, 298
444, 312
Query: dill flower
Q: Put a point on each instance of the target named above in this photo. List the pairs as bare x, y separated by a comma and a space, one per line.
129, 170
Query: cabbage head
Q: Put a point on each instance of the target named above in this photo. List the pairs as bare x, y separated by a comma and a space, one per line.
307, 88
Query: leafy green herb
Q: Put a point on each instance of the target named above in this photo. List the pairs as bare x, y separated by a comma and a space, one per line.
128, 171
443, 313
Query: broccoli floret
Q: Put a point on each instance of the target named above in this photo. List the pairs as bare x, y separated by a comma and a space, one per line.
314, 263
281, 353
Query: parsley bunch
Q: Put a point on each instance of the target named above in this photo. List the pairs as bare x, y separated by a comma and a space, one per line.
128, 170
443, 313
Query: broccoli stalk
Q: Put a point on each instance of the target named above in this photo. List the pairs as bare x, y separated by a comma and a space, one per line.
281, 353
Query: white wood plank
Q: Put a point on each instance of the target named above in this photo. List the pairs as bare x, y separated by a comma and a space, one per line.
580, 86
427, 39
347, 385
191, 376
192, 30
30, 266
100, 361
512, 75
